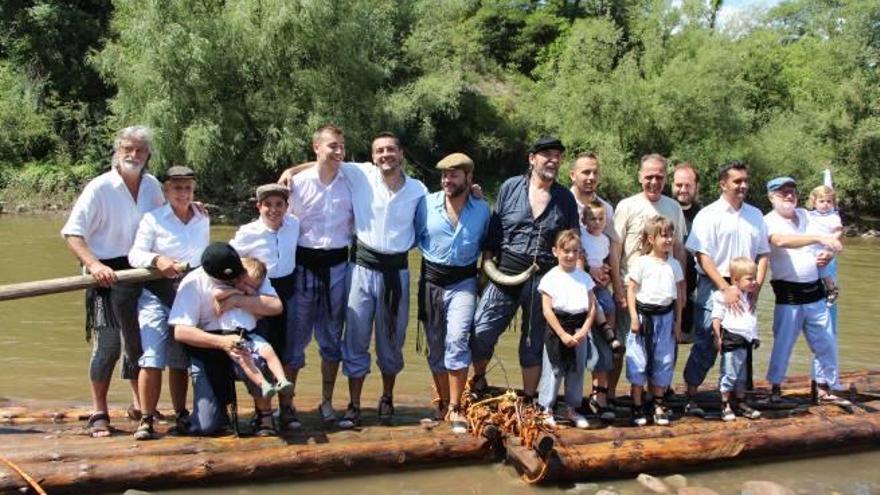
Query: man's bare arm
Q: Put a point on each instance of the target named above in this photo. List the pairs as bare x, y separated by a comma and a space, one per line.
102, 273
794, 241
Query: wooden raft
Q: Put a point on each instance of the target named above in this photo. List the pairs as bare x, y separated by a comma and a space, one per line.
795, 428
50, 445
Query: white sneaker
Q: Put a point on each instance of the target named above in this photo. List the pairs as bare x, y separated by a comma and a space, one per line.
548, 419
727, 413
576, 419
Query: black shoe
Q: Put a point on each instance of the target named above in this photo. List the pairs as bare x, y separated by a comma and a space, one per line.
638, 416
385, 410
288, 420
351, 418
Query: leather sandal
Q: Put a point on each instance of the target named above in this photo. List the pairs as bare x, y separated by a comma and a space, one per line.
263, 425
99, 425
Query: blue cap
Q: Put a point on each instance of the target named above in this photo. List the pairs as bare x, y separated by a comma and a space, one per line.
777, 183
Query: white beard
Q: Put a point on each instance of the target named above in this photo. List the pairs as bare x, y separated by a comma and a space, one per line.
130, 166
784, 208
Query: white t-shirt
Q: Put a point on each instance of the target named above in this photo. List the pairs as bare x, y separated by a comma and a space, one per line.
633, 213
609, 214
744, 323
791, 265
106, 216
596, 248
570, 291
657, 279
824, 223
194, 303
275, 248
723, 233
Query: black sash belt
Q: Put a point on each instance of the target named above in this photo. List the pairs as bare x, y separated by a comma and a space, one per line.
319, 262
647, 312
515, 263
563, 358
389, 265
433, 281
797, 292
99, 305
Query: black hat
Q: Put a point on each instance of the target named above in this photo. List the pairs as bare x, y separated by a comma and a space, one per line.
546, 143
179, 172
221, 261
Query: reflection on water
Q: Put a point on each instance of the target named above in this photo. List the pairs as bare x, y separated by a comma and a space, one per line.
43, 355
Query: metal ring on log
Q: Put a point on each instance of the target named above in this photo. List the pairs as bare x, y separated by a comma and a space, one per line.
495, 275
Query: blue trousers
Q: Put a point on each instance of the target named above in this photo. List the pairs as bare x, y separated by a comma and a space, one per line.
703, 352
448, 347
366, 310
814, 319
309, 315
494, 312
664, 353
548, 387
733, 370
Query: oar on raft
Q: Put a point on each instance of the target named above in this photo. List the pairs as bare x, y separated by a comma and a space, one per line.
77, 282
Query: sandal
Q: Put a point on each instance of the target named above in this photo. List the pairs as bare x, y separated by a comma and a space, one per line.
145, 430
457, 421
133, 413
288, 419
606, 412
776, 394
478, 385
328, 415
262, 424
661, 415
99, 425
441, 410
385, 410
181, 423
351, 418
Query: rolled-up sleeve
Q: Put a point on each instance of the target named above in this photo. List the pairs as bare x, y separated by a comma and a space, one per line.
141, 254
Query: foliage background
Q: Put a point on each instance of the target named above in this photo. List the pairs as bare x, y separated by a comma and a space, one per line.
235, 88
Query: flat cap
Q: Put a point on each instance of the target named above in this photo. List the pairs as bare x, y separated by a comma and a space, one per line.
221, 261
779, 183
546, 143
179, 172
456, 160
267, 190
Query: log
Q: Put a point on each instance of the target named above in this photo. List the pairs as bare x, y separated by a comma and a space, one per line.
67, 284
759, 439
290, 461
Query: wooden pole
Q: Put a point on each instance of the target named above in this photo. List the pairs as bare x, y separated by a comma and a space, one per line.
67, 284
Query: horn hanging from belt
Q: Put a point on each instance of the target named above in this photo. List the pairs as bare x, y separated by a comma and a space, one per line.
491, 269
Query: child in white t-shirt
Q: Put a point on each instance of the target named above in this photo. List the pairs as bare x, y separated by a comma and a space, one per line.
824, 220
245, 322
655, 297
736, 333
569, 307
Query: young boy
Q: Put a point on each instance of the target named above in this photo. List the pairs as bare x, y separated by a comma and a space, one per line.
736, 334
596, 247
272, 239
245, 322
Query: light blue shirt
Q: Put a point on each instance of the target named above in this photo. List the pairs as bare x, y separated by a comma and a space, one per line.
445, 244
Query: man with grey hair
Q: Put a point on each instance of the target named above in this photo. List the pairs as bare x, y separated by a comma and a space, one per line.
100, 232
629, 222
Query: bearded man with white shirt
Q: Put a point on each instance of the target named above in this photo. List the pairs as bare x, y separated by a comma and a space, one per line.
800, 294
100, 232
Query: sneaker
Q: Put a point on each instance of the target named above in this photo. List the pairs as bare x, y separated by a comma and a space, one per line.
727, 412
747, 412
693, 409
661, 416
328, 415
267, 389
576, 419
638, 416
145, 429
351, 418
288, 419
548, 419
826, 397
284, 387
385, 410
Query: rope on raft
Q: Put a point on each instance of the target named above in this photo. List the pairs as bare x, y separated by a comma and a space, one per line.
32, 482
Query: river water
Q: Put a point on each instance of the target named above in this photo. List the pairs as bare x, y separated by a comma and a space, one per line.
43, 355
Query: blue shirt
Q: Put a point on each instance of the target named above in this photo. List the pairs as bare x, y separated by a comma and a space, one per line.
445, 244
514, 229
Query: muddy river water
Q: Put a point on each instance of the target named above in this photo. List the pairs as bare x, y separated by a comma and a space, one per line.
43, 355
